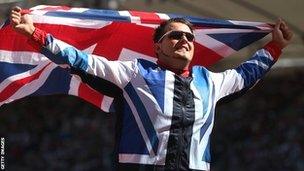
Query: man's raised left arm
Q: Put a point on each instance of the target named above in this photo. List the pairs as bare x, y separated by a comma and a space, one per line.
252, 70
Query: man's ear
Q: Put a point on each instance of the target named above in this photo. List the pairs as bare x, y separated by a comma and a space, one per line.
157, 48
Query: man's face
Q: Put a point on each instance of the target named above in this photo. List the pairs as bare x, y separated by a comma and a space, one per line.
174, 50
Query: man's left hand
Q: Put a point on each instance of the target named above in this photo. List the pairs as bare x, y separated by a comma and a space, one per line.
281, 34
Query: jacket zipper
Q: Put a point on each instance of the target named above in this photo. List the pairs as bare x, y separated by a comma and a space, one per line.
181, 133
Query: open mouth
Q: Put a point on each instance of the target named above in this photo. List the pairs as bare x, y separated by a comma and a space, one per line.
183, 47
179, 47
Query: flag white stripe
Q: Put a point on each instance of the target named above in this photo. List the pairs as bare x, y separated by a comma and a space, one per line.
81, 23
106, 103
17, 57
74, 85
214, 45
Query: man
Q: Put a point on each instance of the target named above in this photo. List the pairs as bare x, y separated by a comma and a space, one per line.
166, 110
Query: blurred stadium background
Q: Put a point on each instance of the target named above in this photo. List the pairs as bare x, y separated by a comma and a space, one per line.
260, 131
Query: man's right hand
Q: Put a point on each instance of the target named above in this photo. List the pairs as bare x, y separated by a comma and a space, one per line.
21, 23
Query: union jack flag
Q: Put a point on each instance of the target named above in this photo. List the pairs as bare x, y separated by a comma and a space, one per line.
116, 35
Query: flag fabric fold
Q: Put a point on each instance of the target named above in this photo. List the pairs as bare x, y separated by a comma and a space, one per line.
116, 35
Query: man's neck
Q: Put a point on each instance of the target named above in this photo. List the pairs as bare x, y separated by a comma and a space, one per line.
182, 72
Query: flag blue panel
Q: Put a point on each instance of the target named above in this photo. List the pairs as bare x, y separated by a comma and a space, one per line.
58, 82
238, 40
9, 69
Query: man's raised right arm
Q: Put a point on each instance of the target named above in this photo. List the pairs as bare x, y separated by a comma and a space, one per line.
62, 53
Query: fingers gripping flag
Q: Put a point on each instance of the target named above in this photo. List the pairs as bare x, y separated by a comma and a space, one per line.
117, 35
